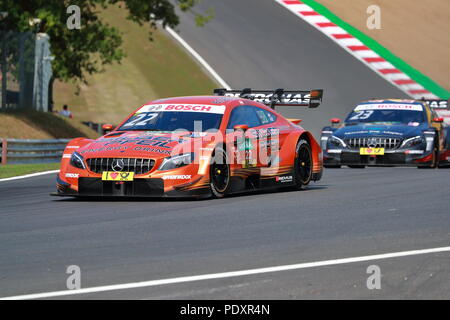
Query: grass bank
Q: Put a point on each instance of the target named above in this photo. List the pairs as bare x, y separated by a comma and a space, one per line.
13, 170
29, 124
151, 70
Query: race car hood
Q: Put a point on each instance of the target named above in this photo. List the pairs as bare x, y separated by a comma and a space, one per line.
385, 130
142, 144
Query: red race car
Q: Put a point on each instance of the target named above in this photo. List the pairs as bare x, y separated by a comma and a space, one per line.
205, 146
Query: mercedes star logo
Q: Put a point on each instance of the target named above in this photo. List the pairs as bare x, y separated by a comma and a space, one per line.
372, 143
117, 165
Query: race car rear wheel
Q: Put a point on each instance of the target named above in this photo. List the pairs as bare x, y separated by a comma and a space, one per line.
219, 173
303, 164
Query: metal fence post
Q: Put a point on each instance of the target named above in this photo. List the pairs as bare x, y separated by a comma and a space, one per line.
42, 72
4, 68
4, 151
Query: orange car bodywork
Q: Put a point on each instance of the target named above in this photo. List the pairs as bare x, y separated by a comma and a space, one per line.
193, 179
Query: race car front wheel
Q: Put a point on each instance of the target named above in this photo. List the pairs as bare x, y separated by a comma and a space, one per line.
219, 173
435, 159
303, 164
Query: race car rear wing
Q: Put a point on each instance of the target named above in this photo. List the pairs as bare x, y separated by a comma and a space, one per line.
278, 97
437, 103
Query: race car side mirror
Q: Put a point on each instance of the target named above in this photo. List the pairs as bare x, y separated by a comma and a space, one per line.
335, 120
107, 127
242, 127
438, 120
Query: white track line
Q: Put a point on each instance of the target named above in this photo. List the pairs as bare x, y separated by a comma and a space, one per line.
222, 275
29, 175
198, 57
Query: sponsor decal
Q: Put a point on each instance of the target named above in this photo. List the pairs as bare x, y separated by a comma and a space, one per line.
284, 179
393, 133
371, 151
72, 175
198, 134
72, 147
438, 104
263, 133
220, 109
244, 144
67, 156
150, 149
374, 132
119, 148
151, 140
389, 106
177, 177
267, 98
117, 176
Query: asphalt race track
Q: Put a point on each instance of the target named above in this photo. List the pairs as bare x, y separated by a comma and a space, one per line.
350, 213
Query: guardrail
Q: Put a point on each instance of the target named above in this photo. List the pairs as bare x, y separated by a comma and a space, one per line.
19, 151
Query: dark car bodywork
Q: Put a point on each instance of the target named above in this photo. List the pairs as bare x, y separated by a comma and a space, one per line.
422, 141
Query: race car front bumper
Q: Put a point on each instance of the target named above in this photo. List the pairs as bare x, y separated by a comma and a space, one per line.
142, 187
335, 157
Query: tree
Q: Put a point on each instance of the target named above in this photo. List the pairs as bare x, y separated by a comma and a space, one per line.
83, 51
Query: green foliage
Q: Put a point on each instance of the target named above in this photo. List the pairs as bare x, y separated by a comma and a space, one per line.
83, 51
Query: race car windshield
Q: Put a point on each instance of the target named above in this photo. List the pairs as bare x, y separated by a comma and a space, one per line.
385, 116
172, 120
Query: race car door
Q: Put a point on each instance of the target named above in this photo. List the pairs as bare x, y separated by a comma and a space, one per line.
244, 142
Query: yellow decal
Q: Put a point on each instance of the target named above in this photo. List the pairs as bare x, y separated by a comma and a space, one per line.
371, 151
117, 176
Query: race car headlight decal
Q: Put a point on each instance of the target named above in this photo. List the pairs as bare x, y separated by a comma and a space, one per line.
177, 161
411, 142
76, 160
337, 142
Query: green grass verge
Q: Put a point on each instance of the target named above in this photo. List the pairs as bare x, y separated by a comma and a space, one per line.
13, 170
413, 73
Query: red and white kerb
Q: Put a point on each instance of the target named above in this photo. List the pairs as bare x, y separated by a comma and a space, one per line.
356, 48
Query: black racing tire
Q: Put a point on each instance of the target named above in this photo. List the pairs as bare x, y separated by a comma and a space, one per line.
435, 157
435, 161
303, 164
219, 173
354, 166
332, 166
